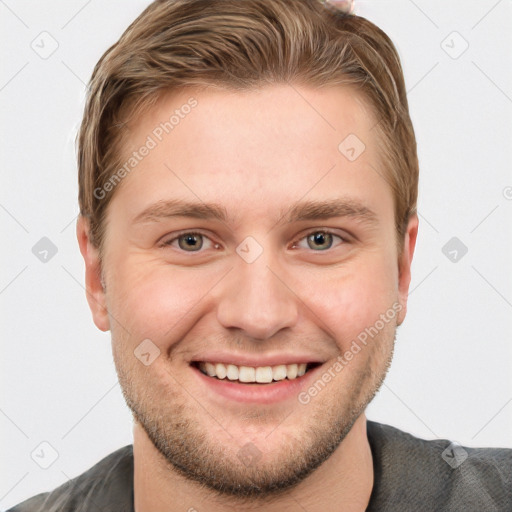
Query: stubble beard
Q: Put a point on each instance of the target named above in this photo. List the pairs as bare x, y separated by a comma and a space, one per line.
192, 453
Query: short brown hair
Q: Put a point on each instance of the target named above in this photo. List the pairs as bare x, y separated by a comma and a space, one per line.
242, 44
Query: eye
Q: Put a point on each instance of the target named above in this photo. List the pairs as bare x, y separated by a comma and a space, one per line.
319, 240
190, 242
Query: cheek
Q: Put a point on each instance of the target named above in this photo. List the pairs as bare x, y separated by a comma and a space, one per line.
353, 300
154, 301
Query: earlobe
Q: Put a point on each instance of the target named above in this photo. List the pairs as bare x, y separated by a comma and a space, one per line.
405, 261
94, 285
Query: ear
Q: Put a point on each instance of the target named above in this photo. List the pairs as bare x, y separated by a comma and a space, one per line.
95, 292
404, 261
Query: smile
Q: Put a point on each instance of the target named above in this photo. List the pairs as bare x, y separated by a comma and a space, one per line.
251, 374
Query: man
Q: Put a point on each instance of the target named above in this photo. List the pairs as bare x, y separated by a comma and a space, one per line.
248, 182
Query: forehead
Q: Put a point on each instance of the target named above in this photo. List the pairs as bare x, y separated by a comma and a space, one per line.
254, 151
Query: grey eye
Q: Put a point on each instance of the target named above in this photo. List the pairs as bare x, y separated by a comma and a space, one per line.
320, 240
190, 242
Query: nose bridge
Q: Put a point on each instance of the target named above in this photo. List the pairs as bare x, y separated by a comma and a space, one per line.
256, 299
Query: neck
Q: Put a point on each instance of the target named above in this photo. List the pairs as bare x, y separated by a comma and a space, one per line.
343, 482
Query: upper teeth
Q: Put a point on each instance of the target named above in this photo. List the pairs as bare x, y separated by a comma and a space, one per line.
261, 374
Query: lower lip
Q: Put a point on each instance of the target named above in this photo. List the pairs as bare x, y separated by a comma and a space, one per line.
257, 393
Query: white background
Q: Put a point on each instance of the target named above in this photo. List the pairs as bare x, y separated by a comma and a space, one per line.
451, 375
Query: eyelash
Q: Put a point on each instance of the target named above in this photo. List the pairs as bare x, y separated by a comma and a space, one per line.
344, 240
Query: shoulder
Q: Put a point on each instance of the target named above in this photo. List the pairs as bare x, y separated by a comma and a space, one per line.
108, 485
437, 475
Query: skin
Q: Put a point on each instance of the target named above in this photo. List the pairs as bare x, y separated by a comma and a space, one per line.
255, 153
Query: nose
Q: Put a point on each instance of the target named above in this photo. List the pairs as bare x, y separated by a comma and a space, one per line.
257, 300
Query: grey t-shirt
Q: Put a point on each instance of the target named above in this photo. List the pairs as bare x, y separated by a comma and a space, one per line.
410, 475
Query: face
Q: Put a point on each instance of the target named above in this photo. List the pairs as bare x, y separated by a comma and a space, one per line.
248, 236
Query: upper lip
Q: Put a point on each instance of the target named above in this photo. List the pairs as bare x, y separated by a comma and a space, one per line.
255, 360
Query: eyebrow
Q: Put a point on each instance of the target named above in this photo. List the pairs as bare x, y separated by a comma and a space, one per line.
300, 211
318, 210
180, 208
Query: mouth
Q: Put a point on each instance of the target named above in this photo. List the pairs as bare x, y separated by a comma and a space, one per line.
254, 375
